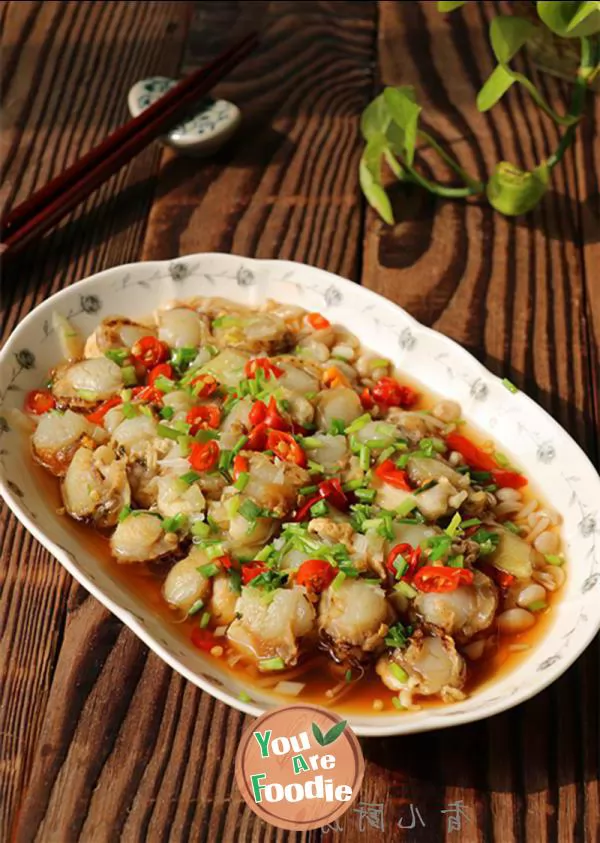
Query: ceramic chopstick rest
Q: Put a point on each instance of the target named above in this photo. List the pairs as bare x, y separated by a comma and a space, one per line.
214, 123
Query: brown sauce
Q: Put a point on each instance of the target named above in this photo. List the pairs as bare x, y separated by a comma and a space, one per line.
320, 675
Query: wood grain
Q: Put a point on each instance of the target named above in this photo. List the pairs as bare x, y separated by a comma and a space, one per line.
66, 71
99, 740
519, 294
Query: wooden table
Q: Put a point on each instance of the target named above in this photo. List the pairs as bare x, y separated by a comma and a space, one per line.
100, 740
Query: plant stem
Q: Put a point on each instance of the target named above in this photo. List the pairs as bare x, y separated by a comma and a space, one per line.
588, 58
477, 186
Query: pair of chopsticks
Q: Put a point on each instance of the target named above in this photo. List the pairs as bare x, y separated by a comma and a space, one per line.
49, 204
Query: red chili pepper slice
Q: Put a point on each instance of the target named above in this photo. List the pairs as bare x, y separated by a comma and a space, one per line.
269, 369
410, 554
391, 393
204, 455
257, 413
204, 385
39, 401
273, 417
332, 491
149, 351
164, 370
285, 447
240, 465
366, 399
227, 562
200, 418
315, 575
257, 438
390, 473
97, 417
318, 321
440, 578
304, 511
508, 479
148, 394
472, 454
204, 639
251, 570
501, 578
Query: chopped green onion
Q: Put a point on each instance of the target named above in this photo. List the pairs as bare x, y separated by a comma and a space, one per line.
402, 461
457, 561
358, 424
337, 427
239, 445
206, 434
425, 487
164, 384
553, 559
471, 522
351, 485
243, 697
190, 477
182, 357
386, 454
204, 620
398, 672
338, 580
175, 523
249, 510
145, 410
128, 410
454, 526
366, 495
405, 507
510, 525
315, 467
168, 432
117, 355
502, 461
199, 604
364, 457
397, 704
480, 476
311, 442
242, 481
167, 413
405, 589
308, 490
537, 606
129, 375
209, 570
319, 509
184, 443
200, 529
272, 664
348, 676
225, 460
510, 385
87, 394
124, 513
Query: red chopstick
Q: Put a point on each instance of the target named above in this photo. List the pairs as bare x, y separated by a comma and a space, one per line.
49, 204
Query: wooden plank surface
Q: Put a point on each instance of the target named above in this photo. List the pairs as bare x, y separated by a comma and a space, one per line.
99, 740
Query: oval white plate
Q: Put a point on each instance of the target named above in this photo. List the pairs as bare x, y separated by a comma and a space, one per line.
544, 450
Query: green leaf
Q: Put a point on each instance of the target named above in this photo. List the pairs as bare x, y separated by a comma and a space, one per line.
571, 19
450, 5
318, 734
494, 88
334, 733
375, 118
508, 33
369, 176
404, 111
513, 191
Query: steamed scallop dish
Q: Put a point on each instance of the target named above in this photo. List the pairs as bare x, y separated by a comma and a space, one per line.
295, 507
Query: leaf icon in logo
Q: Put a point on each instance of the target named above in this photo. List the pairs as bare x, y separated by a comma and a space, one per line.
334, 733
318, 734
331, 736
